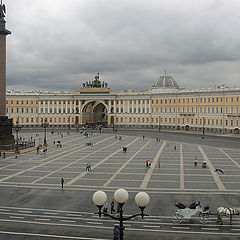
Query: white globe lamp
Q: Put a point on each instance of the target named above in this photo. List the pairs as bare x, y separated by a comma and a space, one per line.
99, 198
121, 196
142, 199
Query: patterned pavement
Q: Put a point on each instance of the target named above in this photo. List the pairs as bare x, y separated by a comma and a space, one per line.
171, 170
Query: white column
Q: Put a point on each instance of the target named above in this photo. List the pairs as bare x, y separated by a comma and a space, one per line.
57, 106
48, 108
136, 106
39, 106
119, 106
71, 107
66, 106
123, 106
44, 107
114, 106
109, 106
145, 103
128, 106
80, 106
53, 105
61, 106
141, 106
74, 107
150, 110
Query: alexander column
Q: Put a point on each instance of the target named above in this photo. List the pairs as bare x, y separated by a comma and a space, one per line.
6, 137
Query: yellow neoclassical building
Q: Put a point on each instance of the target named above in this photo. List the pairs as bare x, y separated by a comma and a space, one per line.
164, 106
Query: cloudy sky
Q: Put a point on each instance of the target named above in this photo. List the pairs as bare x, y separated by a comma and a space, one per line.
59, 44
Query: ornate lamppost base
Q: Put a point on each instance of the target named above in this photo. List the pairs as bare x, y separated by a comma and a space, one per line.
7, 141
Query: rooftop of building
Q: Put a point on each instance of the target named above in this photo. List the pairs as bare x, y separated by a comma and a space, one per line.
165, 84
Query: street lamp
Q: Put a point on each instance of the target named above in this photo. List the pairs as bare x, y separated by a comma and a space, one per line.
159, 125
45, 125
69, 126
17, 128
142, 199
203, 127
112, 119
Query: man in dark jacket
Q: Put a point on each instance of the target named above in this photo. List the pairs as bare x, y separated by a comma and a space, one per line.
116, 233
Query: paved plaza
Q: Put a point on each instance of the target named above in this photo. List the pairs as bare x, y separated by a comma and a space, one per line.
31, 190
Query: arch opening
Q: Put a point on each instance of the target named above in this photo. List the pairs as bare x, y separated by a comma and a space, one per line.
94, 114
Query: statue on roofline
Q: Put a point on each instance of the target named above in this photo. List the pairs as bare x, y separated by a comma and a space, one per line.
95, 84
2, 10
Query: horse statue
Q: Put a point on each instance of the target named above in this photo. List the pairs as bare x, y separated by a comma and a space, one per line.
223, 211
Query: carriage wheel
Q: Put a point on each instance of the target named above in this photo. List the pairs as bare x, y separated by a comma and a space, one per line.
203, 217
177, 218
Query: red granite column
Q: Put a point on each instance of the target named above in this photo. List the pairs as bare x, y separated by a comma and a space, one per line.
2, 75
6, 137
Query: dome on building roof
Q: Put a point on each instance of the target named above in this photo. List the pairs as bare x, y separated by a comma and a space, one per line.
165, 82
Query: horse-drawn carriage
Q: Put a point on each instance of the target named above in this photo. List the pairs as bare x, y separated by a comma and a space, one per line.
183, 212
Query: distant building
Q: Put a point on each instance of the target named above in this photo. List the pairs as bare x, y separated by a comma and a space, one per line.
164, 106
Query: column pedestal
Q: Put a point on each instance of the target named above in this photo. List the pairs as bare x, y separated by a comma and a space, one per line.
7, 141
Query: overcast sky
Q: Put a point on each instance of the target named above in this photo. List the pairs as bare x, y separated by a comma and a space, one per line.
59, 44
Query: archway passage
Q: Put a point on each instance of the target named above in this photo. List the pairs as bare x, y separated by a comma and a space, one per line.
187, 127
94, 114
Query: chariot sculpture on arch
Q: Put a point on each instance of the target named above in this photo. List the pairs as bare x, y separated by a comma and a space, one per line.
95, 84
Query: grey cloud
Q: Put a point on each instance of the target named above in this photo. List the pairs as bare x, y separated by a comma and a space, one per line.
129, 42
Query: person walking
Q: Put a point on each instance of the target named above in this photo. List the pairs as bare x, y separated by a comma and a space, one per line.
4, 155
147, 163
112, 207
105, 208
195, 162
116, 233
62, 182
87, 167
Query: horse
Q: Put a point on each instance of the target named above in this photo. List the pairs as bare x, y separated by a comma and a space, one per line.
223, 211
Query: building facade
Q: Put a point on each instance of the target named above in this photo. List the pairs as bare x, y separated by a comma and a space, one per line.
164, 106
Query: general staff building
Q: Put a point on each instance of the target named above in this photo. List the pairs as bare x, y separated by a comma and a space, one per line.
164, 106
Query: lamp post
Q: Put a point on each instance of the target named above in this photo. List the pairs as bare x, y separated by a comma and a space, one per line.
142, 199
203, 127
45, 125
17, 128
69, 125
159, 125
113, 123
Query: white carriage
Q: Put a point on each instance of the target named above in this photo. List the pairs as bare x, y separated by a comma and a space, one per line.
183, 212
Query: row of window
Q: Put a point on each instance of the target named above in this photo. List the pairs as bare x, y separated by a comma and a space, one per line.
58, 102
195, 100
20, 102
181, 100
205, 109
207, 122
21, 110
154, 101
54, 110
49, 120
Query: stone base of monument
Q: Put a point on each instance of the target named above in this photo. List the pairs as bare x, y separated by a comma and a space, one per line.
7, 141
